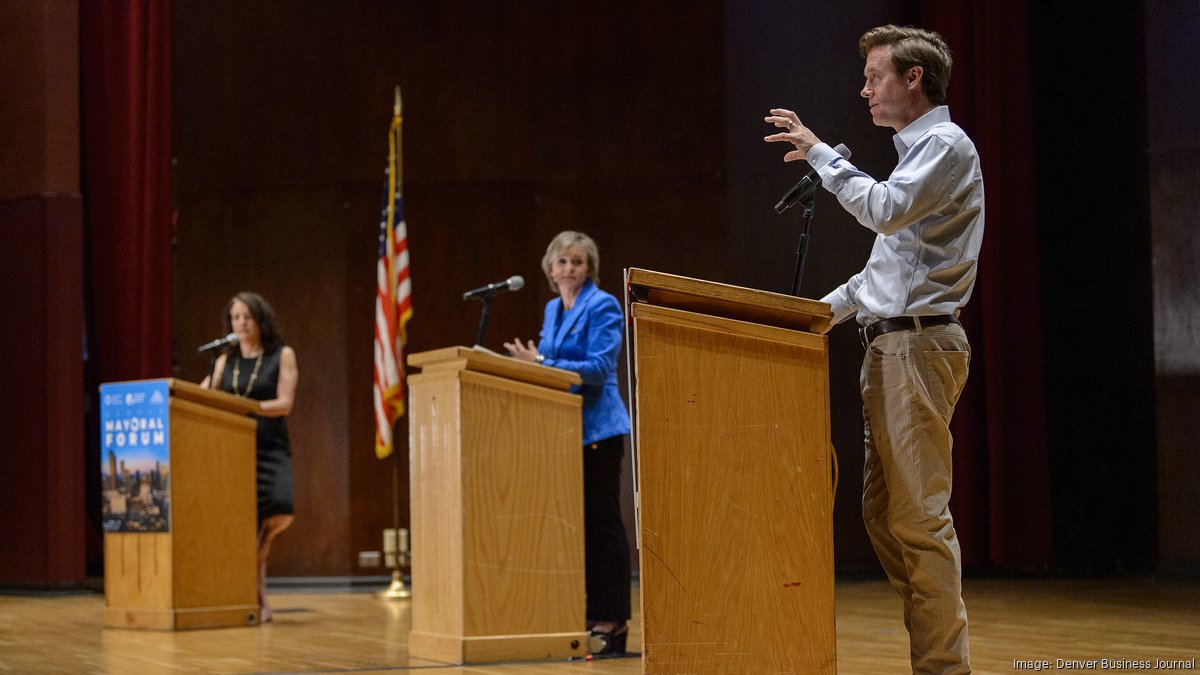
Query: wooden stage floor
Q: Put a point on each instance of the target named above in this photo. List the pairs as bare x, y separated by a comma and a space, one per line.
1011, 620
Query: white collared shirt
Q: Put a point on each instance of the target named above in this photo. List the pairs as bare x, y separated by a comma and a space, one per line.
928, 216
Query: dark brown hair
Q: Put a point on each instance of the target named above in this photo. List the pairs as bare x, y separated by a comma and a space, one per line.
263, 315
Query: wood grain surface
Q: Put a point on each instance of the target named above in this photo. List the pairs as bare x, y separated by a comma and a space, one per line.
1011, 619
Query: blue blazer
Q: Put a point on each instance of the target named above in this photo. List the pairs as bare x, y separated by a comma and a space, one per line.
587, 340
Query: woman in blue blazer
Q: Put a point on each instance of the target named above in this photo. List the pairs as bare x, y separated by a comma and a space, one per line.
581, 332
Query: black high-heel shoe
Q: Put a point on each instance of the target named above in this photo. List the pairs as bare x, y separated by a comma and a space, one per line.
611, 643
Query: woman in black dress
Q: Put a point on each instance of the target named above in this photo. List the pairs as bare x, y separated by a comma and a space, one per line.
261, 367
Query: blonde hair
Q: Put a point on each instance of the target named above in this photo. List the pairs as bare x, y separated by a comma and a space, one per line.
570, 239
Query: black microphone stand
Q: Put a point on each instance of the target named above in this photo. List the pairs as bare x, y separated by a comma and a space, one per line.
483, 318
802, 245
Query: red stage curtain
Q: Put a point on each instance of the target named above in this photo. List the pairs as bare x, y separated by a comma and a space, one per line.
125, 48
1001, 500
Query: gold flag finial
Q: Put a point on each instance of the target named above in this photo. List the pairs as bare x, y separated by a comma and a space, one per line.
397, 107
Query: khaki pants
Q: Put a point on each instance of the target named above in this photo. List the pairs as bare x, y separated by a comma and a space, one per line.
911, 380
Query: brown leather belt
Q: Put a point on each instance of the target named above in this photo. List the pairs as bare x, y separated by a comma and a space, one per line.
869, 332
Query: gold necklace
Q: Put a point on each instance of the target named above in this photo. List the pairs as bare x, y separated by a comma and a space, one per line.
253, 375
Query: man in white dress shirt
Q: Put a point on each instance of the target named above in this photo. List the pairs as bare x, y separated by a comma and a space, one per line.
928, 220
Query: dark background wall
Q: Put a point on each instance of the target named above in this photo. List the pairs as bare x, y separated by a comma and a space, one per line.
639, 123
1172, 45
784, 54
520, 120
636, 123
1097, 261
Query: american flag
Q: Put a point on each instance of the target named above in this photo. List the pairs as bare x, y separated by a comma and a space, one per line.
393, 298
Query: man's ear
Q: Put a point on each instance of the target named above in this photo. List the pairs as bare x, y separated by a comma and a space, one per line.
913, 76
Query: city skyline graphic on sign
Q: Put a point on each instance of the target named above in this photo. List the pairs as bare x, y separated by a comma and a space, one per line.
135, 477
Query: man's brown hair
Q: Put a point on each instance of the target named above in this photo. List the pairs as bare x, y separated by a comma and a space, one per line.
914, 47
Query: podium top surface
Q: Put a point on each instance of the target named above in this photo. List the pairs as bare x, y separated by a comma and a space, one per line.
466, 358
220, 400
731, 302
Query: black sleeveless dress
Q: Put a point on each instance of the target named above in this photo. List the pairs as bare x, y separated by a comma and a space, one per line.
274, 448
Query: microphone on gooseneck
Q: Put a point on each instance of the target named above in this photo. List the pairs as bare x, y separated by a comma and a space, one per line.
807, 185
486, 293
217, 344
513, 283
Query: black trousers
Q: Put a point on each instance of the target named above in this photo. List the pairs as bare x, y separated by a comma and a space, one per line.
606, 548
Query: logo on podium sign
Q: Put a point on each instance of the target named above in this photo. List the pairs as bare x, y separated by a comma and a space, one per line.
135, 472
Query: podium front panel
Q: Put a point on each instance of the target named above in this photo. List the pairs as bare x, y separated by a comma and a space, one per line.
735, 497
202, 572
496, 471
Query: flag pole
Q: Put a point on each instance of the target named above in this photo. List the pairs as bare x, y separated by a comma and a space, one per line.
395, 539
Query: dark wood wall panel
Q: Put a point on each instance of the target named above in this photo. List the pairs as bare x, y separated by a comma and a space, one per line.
520, 120
287, 245
636, 122
639, 123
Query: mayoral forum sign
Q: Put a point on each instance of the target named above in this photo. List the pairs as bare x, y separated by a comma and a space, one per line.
135, 476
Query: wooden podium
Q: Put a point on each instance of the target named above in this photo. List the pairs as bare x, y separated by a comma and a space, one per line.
202, 572
734, 475
496, 472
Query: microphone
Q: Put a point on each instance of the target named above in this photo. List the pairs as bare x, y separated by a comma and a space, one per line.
808, 184
513, 283
232, 338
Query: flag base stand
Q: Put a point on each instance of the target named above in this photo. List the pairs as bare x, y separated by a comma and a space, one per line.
395, 552
397, 590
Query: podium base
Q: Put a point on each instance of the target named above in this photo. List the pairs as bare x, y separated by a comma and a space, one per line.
495, 648
181, 619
